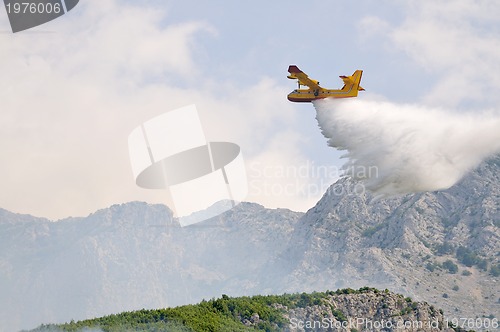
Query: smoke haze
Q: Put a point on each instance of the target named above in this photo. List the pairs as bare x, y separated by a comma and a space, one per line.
398, 149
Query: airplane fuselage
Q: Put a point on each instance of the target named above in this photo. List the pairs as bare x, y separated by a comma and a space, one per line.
308, 95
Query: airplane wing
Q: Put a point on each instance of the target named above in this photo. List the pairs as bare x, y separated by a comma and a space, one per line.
296, 73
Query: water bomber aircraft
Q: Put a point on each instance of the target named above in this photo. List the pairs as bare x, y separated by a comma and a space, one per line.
315, 91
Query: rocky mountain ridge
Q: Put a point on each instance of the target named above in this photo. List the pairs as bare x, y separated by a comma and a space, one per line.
402, 243
439, 247
130, 256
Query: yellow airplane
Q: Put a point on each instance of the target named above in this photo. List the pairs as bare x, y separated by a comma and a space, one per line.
350, 88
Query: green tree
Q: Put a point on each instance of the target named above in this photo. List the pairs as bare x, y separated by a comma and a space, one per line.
450, 266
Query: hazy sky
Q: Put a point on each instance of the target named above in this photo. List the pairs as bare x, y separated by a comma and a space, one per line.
73, 89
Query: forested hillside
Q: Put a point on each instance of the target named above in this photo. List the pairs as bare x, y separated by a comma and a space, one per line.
366, 309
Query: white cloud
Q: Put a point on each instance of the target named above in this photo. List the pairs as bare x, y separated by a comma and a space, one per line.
281, 176
70, 99
457, 41
370, 26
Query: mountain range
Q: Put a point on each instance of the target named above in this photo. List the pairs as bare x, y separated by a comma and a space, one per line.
440, 247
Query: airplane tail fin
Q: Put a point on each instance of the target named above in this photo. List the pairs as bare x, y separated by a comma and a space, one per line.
357, 79
351, 83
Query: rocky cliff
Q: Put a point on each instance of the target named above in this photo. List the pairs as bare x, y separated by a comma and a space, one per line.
442, 247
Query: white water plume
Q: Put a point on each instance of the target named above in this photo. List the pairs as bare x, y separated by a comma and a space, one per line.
398, 149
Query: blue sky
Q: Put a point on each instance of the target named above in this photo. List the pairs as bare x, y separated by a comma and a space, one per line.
255, 39
74, 88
